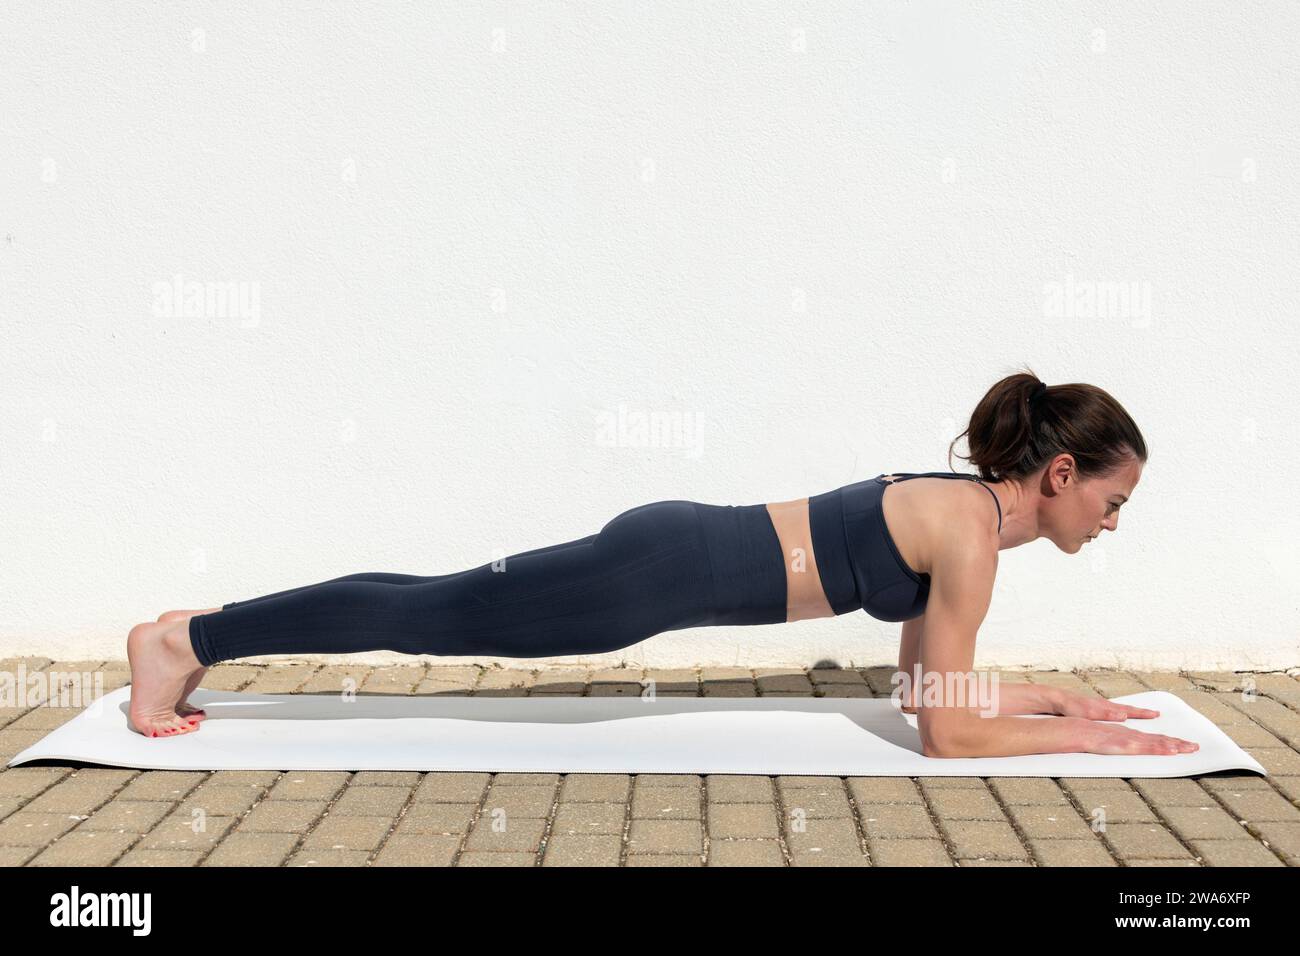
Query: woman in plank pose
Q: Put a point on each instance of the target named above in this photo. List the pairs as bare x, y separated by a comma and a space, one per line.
1056, 463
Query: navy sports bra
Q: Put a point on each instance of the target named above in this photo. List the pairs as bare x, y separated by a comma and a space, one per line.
858, 562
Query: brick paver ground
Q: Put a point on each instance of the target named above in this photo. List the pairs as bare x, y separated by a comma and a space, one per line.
58, 816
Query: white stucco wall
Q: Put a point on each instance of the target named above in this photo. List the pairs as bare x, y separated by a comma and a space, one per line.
806, 236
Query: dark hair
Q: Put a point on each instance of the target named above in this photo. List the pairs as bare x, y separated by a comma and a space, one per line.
1020, 424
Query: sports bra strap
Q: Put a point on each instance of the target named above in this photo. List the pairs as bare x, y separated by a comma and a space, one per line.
904, 475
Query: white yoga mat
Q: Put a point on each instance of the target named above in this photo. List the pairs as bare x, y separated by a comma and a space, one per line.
837, 736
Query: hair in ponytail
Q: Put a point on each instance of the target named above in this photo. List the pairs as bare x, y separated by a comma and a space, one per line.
1020, 424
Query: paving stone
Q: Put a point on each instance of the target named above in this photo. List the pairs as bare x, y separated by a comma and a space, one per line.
17, 855
335, 680
1259, 805
370, 801
142, 857
407, 779
230, 677
836, 675
496, 679
422, 850
85, 848
478, 858
519, 834
1101, 807
890, 821
1203, 823
982, 838
1038, 822
450, 787
313, 785
1278, 761
1233, 853
169, 785
1282, 838
908, 853
984, 861
665, 836
1041, 791
674, 680
526, 780
596, 788
816, 802
223, 801
1066, 852
283, 816
520, 802
1172, 792
745, 853
819, 836
570, 683
400, 679
873, 790
828, 856
782, 681
183, 832
965, 805
322, 857
257, 779
350, 832
742, 821
589, 818
1161, 863
26, 782
252, 849
663, 859
1142, 841
128, 816
280, 679
663, 803
77, 796
433, 819
27, 828
583, 849
933, 783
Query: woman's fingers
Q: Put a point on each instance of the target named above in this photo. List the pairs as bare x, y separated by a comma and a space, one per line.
1140, 712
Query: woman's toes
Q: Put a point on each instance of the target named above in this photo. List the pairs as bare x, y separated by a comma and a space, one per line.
172, 726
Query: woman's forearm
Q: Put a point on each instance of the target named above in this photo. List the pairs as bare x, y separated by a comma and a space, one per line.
1009, 698
1013, 737
1022, 698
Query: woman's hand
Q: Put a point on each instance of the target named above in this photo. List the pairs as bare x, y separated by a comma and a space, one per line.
1103, 738
1069, 704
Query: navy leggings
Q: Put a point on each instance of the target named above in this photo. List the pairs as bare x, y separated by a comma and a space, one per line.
658, 567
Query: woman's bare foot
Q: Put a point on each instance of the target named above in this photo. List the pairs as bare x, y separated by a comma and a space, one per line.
183, 707
162, 662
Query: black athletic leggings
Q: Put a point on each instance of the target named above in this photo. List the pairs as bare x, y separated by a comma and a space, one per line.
658, 567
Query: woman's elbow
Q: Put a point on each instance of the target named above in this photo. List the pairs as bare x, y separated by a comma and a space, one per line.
941, 735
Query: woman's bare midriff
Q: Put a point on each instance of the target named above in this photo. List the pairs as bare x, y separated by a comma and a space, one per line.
804, 596
910, 523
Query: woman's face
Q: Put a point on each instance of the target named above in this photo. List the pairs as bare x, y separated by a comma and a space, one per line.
1077, 510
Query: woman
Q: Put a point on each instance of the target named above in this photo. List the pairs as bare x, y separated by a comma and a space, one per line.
1057, 463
